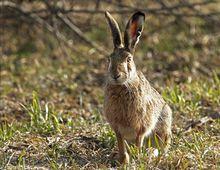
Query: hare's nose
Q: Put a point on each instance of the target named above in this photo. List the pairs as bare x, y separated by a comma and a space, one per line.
116, 76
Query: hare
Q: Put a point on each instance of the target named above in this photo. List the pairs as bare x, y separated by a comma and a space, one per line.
132, 107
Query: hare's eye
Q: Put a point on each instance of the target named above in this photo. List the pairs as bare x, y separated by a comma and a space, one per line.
129, 59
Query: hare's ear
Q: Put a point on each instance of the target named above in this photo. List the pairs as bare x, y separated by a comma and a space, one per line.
116, 34
133, 30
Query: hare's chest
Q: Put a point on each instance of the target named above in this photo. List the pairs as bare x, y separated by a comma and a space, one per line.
124, 108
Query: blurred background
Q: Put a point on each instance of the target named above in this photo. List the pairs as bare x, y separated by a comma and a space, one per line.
59, 49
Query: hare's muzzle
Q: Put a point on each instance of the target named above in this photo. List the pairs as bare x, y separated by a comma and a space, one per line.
115, 77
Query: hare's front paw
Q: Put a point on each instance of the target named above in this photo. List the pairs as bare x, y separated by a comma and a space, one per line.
124, 158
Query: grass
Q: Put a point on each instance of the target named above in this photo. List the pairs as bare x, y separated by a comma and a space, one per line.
51, 99
47, 139
42, 120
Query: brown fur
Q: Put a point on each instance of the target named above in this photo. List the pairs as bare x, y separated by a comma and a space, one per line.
133, 108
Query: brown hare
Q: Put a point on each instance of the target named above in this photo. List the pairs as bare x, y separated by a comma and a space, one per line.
133, 108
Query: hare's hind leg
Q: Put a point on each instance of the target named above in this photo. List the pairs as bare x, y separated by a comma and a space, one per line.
140, 138
163, 129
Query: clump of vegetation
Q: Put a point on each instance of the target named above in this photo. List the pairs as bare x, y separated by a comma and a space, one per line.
42, 120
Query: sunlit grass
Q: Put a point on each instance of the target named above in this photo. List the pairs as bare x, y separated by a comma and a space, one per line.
198, 149
6, 132
42, 119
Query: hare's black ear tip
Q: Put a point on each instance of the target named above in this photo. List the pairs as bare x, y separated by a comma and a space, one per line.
138, 14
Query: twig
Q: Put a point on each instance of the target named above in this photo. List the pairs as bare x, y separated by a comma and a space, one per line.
9, 160
51, 29
80, 34
129, 9
201, 122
